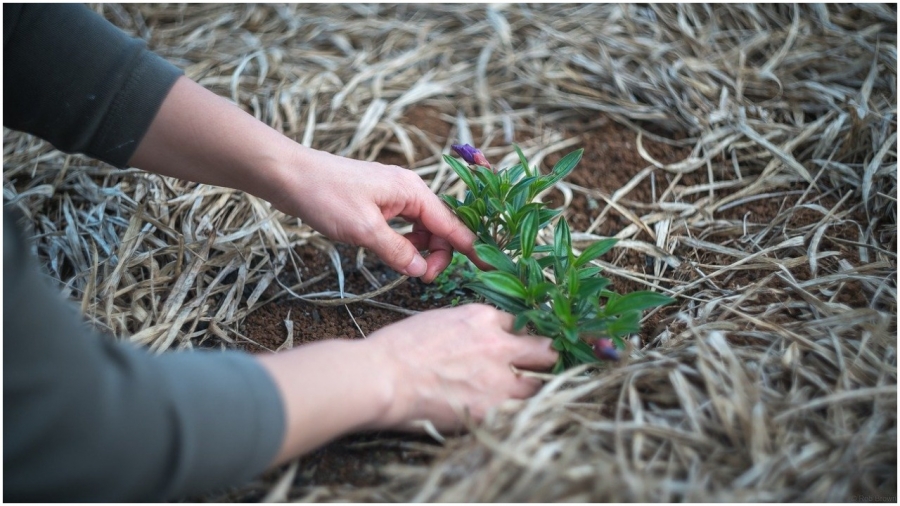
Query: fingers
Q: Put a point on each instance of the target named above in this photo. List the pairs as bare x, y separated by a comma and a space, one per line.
534, 353
525, 387
440, 221
397, 251
440, 251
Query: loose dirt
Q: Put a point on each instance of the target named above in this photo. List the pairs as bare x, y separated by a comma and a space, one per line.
611, 160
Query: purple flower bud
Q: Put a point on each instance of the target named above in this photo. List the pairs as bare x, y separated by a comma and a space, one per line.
471, 155
605, 350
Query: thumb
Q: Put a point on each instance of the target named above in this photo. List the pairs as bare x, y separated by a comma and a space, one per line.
397, 251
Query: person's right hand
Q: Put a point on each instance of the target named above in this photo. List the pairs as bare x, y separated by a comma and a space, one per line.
449, 361
434, 366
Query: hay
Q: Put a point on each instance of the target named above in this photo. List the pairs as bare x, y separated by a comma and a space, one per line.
779, 390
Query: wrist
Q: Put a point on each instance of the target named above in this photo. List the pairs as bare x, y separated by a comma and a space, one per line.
328, 389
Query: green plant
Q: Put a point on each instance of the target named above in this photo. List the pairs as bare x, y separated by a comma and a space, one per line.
548, 286
450, 282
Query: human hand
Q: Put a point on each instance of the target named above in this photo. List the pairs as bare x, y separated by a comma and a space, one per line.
202, 137
447, 361
433, 366
350, 201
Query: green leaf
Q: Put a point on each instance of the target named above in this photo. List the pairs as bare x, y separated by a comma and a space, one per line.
583, 352
547, 215
520, 187
591, 287
545, 323
588, 272
628, 323
451, 201
562, 239
496, 205
490, 180
462, 171
562, 169
559, 366
523, 160
539, 291
595, 250
561, 307
480, 207
515, 172
572, 282
469, 216
521, 320
496, 258
571, 335
565, 166
533, 273
594, 326
504, 283
529, 230
637, 301
501, 300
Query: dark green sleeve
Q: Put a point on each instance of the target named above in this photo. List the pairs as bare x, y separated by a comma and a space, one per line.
86, 418
75, 80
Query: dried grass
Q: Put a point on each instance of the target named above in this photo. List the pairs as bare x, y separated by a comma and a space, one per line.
759, 387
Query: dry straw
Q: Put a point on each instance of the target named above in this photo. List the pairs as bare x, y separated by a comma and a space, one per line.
761, 385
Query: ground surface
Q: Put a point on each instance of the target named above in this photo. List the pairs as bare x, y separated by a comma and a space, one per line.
760, 194
611, 160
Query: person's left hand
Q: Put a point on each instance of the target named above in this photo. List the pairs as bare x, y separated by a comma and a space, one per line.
350, 201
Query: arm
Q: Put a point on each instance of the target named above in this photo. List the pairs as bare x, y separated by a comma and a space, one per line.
202, 137
436, 365
86, 418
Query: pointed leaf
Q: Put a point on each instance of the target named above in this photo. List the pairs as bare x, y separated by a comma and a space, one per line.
583, 353
562, 239
496, 258
561, 307
523, 160
504, 283
590, 288
547, 216
562, 169
462, 171
520, 187
469, 216
565, 166
490, 180
539, 291
588, 272
515, 172
529, 229
451, 201
637, 301
596, 325
628, 323
501, 300
595, 250
533, 273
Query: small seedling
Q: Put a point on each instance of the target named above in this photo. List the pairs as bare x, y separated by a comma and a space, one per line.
451, 281
561, 294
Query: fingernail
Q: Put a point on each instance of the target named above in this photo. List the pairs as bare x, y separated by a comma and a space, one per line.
417, 267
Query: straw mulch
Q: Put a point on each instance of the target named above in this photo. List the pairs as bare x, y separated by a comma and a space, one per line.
781, 390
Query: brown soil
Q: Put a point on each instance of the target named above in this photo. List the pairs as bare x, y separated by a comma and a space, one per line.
611, 160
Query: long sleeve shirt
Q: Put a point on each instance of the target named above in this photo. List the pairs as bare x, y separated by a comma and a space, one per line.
87, 418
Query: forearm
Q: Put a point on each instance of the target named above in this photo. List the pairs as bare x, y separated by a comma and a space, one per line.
202, 137
328, 389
